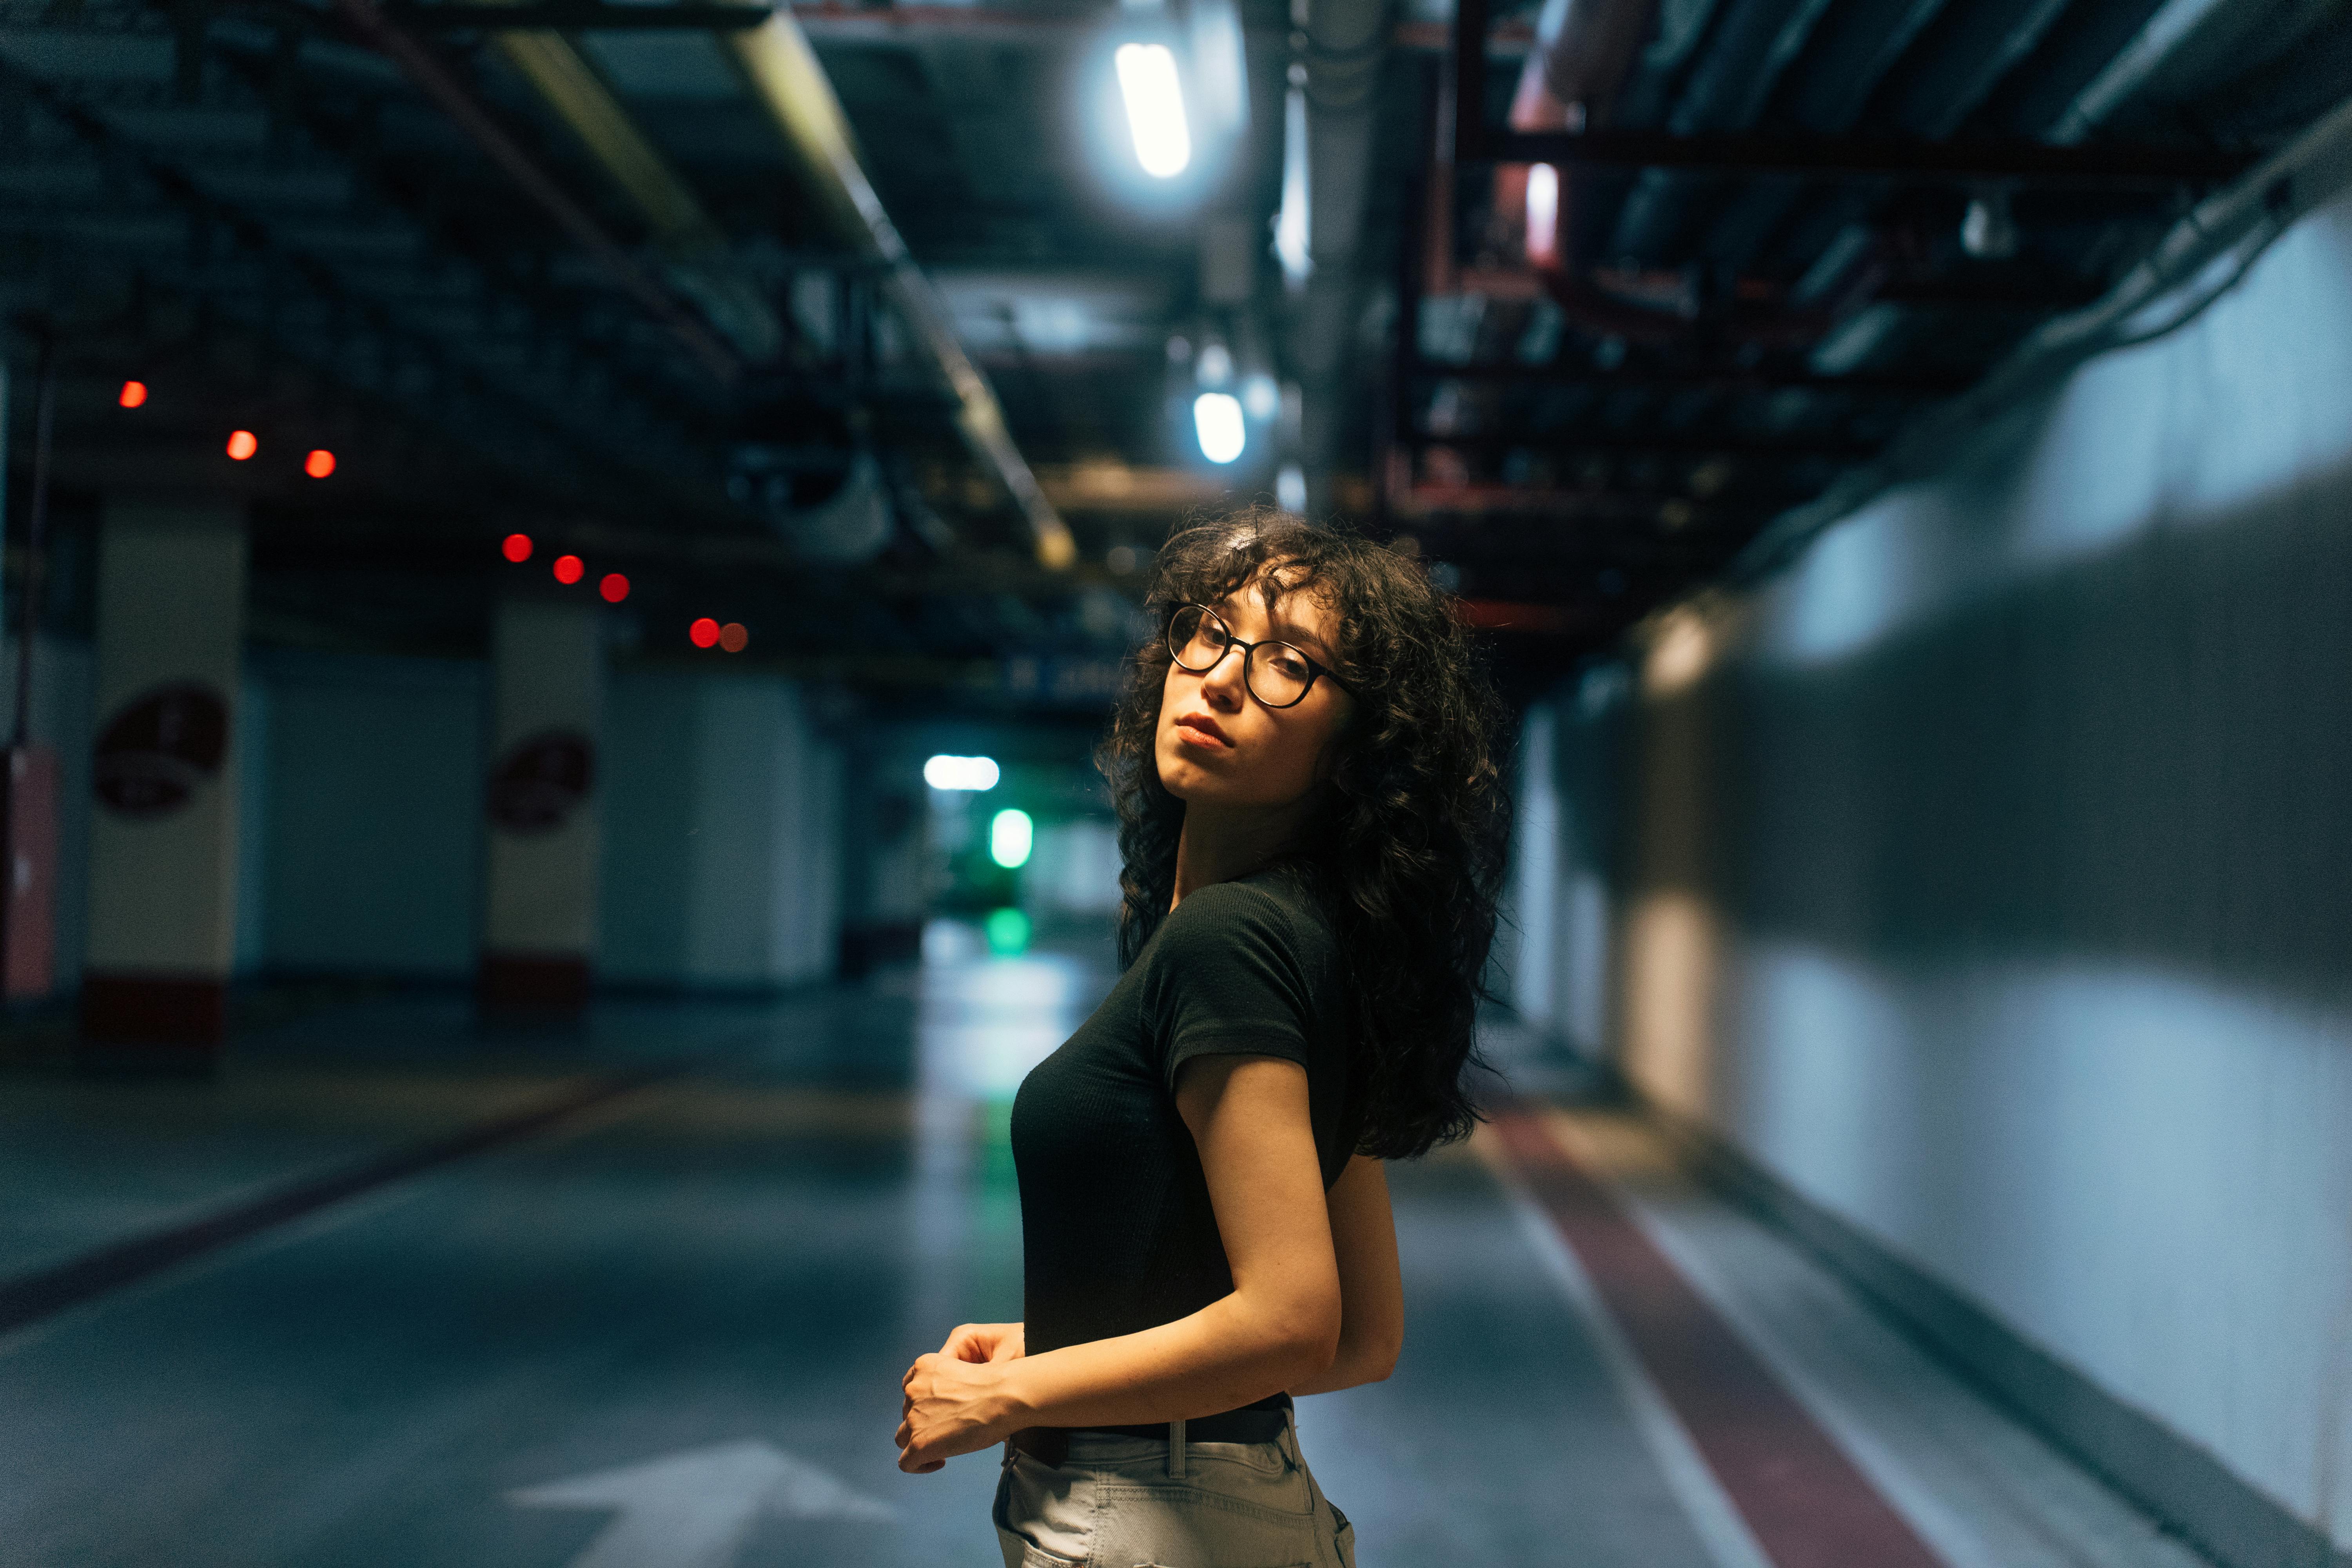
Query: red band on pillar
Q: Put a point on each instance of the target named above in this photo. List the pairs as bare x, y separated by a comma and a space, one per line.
153, 1010
534, 979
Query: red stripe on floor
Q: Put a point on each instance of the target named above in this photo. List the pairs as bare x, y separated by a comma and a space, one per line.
1806, 1503
29, 1298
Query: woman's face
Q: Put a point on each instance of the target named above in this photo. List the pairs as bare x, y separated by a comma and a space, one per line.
1218, 745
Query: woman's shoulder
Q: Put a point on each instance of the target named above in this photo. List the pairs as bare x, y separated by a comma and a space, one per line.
1272, 907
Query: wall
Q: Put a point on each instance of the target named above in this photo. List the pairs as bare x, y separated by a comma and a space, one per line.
722, 853
362, 838
370, 843
1984, 883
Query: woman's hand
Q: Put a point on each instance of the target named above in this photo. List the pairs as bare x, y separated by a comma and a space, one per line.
952, 1406
985, 1343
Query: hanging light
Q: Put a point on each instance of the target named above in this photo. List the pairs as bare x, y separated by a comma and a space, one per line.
318, 464
1154, 97
1543, 215
1217, 421
1290, 221
243, 444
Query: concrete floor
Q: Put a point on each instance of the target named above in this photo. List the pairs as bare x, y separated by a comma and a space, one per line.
667, 1330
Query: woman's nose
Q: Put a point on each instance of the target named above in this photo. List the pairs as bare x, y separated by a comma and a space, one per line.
1223, 682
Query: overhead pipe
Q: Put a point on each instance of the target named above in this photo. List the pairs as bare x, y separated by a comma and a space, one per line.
1342, 46
790, 84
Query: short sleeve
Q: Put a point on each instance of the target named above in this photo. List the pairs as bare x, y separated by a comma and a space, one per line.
1224, 979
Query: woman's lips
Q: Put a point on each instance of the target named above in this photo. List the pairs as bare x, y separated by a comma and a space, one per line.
1203, 731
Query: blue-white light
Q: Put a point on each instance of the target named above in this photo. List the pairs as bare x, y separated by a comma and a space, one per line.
1148, 84
945, 773
1217, 420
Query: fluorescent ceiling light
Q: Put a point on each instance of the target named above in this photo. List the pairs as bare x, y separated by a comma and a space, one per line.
945, 773
1155, 107
1217, 419
1290, 223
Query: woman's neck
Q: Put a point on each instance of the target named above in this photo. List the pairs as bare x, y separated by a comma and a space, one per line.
1219, 846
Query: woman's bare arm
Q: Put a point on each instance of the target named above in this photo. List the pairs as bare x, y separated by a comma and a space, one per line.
1279, 1329
1372, 1291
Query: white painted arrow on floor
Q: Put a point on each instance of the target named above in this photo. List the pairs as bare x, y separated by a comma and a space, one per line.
694, 1509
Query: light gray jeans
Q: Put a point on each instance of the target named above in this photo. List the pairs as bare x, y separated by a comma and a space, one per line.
1136, 1502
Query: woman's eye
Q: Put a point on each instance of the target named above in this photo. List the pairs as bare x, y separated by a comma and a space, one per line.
1289, 663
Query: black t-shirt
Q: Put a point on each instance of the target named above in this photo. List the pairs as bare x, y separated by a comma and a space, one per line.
1116, 1230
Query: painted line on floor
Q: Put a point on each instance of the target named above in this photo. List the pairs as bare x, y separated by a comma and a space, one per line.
1803, 1501
30, 1298
1713, 1516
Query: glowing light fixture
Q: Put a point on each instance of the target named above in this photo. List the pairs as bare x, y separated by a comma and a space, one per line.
614, 587
704, 632
1543, 215
318, 464
1217, 420
1008, 932
569, 569
1155, 107
733, 638
1010, 834
1260, 397
1290, 488
946, 773
1291, 237
133, 394
243, 444
516, 548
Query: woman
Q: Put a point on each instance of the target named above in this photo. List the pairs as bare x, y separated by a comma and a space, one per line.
1312, 827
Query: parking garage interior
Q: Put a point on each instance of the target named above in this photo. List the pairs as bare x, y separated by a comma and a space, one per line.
566, 562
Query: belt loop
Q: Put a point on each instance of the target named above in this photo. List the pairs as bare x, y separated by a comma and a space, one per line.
1176, 1450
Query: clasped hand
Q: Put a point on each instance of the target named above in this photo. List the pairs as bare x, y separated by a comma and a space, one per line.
954, 1399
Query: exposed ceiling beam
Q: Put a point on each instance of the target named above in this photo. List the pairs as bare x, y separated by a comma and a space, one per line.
435, 81
1858, 158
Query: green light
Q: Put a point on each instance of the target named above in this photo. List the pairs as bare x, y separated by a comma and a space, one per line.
1009, 833
1008, 932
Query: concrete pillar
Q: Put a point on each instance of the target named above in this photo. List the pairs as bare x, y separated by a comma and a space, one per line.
539, 930
163, 843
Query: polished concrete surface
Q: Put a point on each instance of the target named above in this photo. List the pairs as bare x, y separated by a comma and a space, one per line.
668, 1328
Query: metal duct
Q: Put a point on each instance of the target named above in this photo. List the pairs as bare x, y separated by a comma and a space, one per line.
1342, 46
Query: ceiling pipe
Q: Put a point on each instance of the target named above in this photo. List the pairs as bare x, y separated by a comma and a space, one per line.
1341, 46
698, 258
437, 84
792, 86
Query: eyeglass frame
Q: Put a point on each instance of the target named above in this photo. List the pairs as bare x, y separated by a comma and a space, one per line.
1316, 669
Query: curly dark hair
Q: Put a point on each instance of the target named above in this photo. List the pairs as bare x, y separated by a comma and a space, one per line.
1407, 860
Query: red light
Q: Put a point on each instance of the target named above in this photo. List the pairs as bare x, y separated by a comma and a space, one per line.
133, 394
568, 568
243, 444
733, 636
614, 587
517, 548
704, 632
318, 464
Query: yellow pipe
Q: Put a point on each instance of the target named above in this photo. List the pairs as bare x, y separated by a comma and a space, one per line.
790, 84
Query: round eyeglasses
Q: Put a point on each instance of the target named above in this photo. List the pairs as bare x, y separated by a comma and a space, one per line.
1276, 674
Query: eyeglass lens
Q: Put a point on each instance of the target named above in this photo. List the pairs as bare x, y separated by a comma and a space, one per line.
1276, 673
